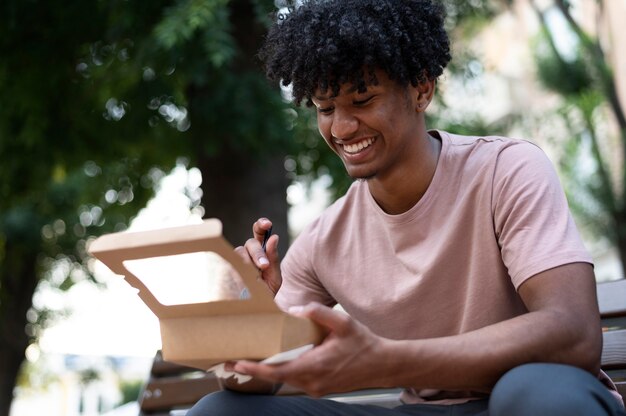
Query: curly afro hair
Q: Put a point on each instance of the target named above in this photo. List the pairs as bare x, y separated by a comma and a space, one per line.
326, 43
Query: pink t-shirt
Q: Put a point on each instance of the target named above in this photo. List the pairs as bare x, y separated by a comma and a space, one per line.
493, 216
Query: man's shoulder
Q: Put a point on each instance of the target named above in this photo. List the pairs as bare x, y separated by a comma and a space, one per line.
488, 142
486, 148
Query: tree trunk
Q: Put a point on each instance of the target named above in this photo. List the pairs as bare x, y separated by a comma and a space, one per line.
238, 189
18, 280
10, 363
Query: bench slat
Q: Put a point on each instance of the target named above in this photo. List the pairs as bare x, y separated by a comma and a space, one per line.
614, 349
612, 298
170, 392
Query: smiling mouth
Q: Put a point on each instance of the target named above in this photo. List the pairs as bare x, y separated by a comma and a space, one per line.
357, 147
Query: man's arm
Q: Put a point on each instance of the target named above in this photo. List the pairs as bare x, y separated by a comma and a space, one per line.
562, 326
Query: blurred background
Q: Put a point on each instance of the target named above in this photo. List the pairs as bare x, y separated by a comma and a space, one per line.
135, 114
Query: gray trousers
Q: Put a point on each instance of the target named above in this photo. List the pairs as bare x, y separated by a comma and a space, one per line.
528, 390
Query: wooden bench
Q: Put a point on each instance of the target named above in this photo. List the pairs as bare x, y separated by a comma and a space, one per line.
612, 302
171, 388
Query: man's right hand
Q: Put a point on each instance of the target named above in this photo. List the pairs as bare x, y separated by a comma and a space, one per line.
265, 260
253, 386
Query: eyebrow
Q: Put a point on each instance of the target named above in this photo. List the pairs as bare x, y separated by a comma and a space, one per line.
324, 98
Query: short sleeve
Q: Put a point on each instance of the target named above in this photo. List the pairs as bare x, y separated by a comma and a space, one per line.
300, 283
533, 224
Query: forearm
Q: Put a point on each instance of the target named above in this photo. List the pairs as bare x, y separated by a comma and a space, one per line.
477, 359
562, 326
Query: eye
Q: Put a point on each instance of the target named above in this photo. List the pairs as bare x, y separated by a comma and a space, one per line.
325, 110
362, 102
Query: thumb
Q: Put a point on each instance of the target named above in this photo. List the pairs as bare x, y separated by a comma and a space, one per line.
336, 321
271, 249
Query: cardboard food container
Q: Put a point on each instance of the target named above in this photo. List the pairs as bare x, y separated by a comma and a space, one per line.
202, 334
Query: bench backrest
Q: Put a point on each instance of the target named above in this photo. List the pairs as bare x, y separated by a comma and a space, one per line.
612, 302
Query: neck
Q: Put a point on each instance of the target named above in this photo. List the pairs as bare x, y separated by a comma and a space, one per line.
401, 190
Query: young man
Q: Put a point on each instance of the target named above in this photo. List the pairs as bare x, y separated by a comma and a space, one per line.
456, 258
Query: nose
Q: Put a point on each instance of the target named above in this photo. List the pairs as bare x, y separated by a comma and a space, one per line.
344, 124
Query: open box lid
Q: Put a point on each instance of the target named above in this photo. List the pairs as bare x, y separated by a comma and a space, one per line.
116, 250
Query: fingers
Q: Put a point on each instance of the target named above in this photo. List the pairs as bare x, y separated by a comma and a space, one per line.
266, 372
265, 259
271, 249
229, 365
260, 227
337, 321
243, 254
254, 246
257, 254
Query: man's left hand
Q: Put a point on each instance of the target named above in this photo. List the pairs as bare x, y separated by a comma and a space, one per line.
350, 358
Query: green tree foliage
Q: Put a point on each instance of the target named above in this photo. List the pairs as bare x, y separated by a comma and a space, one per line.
98, 99
131, 390
57, 160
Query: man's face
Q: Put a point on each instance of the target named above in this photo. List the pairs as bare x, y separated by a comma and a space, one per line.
371, 131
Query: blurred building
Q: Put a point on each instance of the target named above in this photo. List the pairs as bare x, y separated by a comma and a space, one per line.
606, 17
79, 385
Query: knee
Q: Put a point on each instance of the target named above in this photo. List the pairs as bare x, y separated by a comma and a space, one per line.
548, 389
223, 403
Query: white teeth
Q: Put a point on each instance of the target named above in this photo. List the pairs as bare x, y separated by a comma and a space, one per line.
357, 147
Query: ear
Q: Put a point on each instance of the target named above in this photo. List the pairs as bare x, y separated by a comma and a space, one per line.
424, 95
